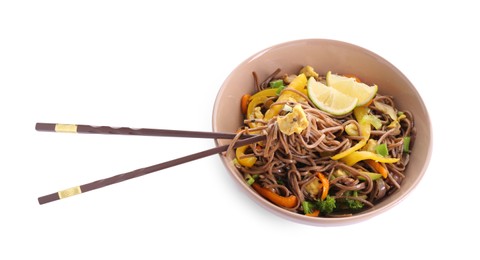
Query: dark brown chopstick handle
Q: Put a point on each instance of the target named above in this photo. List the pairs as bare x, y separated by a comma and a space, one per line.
88, 129
143, 171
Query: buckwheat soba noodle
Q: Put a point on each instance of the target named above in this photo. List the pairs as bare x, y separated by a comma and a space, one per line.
315, 162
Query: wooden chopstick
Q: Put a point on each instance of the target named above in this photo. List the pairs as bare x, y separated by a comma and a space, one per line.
89, 129
142, 171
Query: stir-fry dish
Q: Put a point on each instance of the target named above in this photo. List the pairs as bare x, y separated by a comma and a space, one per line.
334, 146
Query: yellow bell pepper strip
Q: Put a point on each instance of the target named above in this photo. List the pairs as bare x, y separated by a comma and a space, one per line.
357, 156
299, 83
365, 129
245, 161
325, 183
350, 150
259, 98
287, 202
378, 168
360, 113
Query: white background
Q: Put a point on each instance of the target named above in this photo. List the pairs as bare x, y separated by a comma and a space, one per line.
159, 64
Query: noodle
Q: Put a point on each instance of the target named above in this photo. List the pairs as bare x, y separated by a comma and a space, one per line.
288, 164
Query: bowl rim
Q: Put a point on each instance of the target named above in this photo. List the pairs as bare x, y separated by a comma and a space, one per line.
299, 218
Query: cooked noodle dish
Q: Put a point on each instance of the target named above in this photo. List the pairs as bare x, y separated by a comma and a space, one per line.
334, 145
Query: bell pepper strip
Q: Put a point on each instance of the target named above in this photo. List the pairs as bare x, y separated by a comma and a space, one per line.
314, 213
259, 98
365, 129
325, 183
245, 161
299, 84
378, 168
287, 202
350, 150
244, 103
357, 156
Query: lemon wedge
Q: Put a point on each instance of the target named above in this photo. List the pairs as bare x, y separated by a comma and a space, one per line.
350, 87
329, 99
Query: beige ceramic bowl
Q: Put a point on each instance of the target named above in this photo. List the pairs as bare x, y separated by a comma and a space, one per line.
339, 57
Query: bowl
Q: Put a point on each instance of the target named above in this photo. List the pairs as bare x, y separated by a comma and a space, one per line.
342, 58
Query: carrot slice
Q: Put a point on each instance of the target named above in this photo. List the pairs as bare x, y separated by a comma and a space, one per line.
378, 168
287, 202
244, 103
325, 183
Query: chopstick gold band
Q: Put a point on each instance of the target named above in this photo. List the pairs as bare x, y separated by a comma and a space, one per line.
69, 192
66, 128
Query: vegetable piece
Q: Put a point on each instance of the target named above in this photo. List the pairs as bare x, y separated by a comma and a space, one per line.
373, 120
365, 129
276, 83
287, 202
260, 98
314, 213
352, 203
373, 175
357, 156
245, 161
249, 179
382, 150
325, 183
351, 129
371, 145
406, 144
378, 168
386, 109
350, 150
313, 187
309, 209
244, 103
327, 206
360, 113
299, 84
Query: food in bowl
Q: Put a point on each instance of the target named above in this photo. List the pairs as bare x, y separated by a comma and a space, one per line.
334, 145
341, 59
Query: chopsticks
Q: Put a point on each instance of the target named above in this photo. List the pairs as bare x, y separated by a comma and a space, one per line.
142, 171
89, 129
